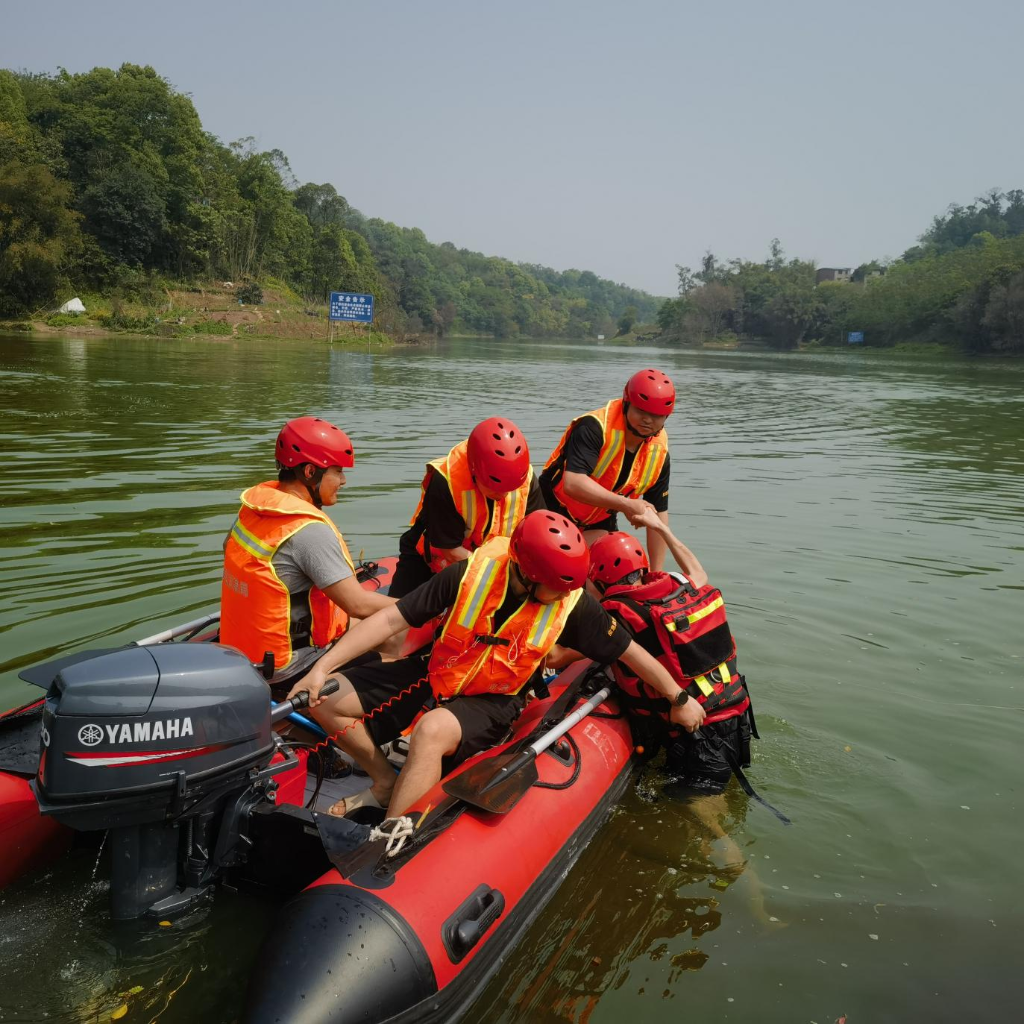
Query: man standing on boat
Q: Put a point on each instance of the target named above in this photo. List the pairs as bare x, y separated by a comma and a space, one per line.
289, 584
483, 488
615, 460
504, 608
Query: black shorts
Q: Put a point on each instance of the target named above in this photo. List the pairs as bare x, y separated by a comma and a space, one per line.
393, 693
410, 572
703, 767
279, 687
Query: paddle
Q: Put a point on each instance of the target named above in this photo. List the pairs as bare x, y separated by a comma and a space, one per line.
498, 783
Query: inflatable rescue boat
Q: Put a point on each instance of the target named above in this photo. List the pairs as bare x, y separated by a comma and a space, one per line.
170, 745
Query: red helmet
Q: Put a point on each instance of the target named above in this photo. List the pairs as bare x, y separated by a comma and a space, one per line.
651, 391
498, 455
311, 439
550, 550
614, 556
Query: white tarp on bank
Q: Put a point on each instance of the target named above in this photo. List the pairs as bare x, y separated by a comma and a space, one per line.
72, 306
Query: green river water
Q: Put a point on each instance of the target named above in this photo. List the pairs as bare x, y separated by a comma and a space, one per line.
863, 516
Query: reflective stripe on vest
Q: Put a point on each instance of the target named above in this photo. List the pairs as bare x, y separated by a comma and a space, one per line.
469, 657
647, 464
255, 604
470, 503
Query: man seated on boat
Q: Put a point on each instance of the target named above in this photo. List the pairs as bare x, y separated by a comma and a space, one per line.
289, 584
680, 621
615, 460
504, 608
481, 489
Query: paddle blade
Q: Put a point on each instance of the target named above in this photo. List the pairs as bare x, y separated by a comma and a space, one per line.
496, 784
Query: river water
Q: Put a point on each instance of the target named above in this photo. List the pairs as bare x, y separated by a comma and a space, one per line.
863, 516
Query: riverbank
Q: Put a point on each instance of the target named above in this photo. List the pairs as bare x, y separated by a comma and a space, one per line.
207, 310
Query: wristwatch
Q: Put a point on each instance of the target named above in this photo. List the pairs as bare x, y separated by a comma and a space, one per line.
680, 698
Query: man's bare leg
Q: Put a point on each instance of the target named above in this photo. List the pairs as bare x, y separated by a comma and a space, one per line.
710, 811
437, 735
340, 716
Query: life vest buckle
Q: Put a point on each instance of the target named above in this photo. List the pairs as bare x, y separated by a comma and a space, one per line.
491, 641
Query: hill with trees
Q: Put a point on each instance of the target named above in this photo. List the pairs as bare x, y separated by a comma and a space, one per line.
963, 282
109, 183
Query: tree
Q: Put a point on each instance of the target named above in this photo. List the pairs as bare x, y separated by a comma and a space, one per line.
1004, 314
444, 316
124, 212
39, 236
627, 320
711, 307
321, 205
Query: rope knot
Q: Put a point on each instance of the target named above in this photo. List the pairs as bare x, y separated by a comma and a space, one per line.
395, 831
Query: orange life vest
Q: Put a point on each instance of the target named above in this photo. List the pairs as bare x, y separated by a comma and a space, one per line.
469, 657
647, 465
255, 606
470, 503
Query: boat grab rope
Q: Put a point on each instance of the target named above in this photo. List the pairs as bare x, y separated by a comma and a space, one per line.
577, 767
396, 831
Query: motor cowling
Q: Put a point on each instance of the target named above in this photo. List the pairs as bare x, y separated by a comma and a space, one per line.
158, 744
135, 735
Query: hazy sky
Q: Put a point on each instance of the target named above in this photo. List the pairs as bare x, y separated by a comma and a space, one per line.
617, 137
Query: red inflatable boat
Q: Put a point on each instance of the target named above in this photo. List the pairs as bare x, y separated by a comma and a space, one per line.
170, 747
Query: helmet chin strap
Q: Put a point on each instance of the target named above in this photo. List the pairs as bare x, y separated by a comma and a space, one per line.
530, 586
629, 426
313, 487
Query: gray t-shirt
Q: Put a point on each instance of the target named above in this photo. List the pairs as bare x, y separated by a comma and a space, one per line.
310, 558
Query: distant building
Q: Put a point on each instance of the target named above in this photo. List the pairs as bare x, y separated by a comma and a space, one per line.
833, 274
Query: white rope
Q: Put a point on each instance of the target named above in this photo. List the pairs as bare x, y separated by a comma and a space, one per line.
395, 831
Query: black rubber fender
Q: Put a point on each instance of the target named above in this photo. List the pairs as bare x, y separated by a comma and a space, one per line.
337, 955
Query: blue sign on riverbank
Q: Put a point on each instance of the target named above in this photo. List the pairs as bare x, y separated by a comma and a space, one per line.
855, 337
352, 307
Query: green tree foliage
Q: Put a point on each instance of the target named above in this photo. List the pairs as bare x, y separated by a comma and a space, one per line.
249, 293
627, 320
39, 236
124, 212
157, 194
964, 281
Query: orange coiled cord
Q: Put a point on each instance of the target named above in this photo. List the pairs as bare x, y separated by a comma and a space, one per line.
369, 714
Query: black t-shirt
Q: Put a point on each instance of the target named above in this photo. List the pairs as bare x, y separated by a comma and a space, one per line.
580, 455
440, 519
589, 629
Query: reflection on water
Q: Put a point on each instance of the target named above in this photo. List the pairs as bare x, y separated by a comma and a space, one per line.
862, 516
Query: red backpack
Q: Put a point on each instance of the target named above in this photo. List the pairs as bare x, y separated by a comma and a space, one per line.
686, 629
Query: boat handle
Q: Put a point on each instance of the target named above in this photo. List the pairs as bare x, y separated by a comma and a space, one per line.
464, 929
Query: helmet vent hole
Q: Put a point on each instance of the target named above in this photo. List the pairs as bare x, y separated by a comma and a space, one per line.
553, 529
617, 561
565, 547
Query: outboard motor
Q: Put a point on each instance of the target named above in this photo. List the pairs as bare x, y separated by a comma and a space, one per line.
169, 747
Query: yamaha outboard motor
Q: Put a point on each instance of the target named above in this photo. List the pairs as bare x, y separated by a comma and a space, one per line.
169, 747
